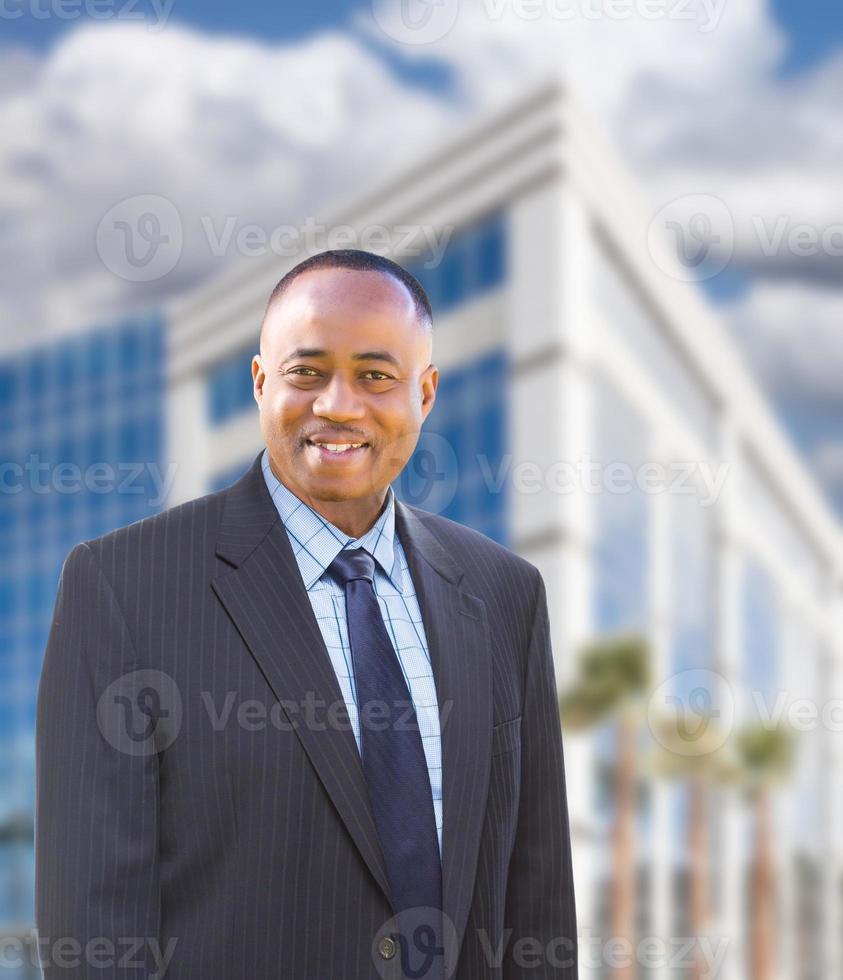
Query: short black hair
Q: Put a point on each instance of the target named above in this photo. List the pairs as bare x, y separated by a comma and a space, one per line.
361, 261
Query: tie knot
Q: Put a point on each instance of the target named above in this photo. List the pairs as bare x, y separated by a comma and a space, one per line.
352, 563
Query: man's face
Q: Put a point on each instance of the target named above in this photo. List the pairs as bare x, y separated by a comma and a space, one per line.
343, 360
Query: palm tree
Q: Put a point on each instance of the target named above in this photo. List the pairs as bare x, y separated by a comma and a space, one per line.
766, 756
612, 680
697, 753
17, 828
17, 831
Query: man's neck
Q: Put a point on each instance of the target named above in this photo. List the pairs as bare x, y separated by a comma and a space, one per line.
354, 520
352, 517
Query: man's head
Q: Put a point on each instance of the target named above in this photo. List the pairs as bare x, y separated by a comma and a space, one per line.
345, 350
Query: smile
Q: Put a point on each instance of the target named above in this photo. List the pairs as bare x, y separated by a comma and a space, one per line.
338, 451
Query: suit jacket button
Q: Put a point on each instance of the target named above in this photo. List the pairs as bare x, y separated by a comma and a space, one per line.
386, 947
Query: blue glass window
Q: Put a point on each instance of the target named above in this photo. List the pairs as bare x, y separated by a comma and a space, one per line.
462, 441
473, 262
761, 632
230, 387
226, 477
622, 520
490, 253
8, 387
91, 398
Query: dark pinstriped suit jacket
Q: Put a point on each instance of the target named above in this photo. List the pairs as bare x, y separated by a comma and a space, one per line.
191, 804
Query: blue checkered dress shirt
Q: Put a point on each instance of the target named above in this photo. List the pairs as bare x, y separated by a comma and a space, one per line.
316, 542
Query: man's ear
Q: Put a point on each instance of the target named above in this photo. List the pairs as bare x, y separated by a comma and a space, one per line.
258, 377
429, 381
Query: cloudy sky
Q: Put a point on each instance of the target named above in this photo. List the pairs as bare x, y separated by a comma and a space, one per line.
260, 112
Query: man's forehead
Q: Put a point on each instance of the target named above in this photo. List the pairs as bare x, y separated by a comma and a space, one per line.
368, 310
327, 289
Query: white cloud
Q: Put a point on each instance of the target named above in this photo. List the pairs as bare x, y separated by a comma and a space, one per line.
793, 335
827, 462
693, 111
219, 127
828, 458
222, 127
232, 127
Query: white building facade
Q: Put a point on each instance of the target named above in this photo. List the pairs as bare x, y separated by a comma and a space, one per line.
569, 360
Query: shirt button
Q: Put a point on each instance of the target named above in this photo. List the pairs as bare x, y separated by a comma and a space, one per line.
386, 947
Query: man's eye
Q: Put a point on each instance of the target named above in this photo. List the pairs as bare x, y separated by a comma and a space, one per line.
314, 373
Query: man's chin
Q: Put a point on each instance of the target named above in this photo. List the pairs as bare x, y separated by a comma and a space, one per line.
337, 487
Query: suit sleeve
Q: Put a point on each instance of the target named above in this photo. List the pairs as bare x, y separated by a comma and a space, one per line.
540, 909
97, 900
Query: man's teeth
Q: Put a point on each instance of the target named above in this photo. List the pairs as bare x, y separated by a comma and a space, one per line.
336, 447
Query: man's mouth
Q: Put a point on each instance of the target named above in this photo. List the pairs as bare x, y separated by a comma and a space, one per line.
338, 450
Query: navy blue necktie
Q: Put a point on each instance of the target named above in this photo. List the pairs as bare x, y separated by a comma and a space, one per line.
394, 765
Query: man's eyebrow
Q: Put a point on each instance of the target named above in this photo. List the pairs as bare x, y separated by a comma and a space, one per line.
369, 355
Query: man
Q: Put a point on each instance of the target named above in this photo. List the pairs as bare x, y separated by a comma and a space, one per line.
297, 728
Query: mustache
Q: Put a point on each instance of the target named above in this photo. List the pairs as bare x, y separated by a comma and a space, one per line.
337, 435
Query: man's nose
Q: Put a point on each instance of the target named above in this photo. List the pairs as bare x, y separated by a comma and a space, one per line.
338, 400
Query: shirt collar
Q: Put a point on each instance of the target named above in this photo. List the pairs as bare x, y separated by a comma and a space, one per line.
317, 542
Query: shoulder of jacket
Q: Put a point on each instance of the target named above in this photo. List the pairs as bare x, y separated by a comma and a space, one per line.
201, 511
463, 539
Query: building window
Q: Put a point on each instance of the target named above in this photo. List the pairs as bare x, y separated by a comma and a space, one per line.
621, 520
761, 632
473, 262
460, 450
230, 387
90, 410
778, 523
223, 479
648, 341
692, 607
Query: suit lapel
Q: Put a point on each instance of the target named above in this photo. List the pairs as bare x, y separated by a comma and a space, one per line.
265, 597
457, 631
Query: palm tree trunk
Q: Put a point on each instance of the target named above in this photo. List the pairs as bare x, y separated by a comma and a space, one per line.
699, 910
762, 925
623, 882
